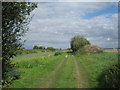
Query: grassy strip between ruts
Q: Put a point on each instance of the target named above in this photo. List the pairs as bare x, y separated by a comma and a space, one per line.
36, 69
67, 77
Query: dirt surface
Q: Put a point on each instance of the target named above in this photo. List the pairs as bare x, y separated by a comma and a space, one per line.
49, 81
81, 82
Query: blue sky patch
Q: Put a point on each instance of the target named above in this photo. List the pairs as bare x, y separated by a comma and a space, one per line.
109, 10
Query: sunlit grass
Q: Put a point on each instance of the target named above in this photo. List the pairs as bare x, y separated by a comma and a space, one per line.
35, 69
67, 77
95, 64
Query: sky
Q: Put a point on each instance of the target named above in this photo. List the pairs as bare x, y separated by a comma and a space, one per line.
55, 23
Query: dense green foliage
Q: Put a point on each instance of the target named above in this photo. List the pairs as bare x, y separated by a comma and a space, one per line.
39, 47
110, 77
15, 18
36, 47
78, 42
42, 47
51, 48
57, 53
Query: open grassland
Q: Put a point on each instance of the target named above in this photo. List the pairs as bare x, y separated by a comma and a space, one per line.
35, 69
93, 65
44, 70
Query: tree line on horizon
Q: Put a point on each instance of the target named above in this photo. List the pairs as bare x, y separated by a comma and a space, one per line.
44, 48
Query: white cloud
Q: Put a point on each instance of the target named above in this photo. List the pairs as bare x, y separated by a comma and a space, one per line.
68, 9
54, 24
108, 39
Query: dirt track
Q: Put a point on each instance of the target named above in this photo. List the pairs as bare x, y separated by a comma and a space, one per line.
49, 81
81, 82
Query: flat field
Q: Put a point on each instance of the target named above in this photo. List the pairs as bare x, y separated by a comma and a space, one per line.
44, 70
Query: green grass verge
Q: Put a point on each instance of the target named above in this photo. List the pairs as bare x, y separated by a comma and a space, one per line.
95, 64
35, 69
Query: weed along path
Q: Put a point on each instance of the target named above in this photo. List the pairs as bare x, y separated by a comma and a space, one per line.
50, 80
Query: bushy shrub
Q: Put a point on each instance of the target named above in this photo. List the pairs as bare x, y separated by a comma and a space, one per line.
41, 47
78, 42
57, 53
90, 49
110, 78
51, 48
12, 75
36, 47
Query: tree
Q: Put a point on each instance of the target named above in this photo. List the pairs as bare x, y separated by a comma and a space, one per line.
36, 47
15, 18
42, 47
51, 48
78, 42
39, 47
